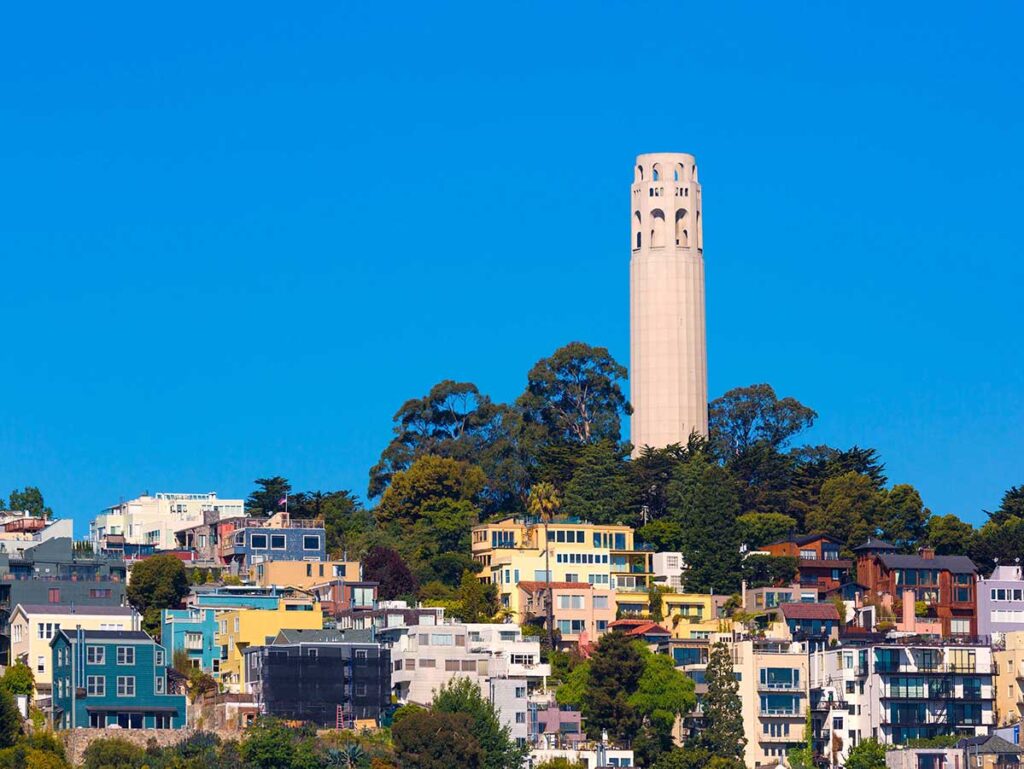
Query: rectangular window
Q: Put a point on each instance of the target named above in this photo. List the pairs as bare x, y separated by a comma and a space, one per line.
96, 720
451, 665
600, 602
277, 542
159, 656
95, 686
125, 655
428, 663
126, 686
310, 542
520, 718
441, 639
96, 655
40, 664
258, 542
54, 595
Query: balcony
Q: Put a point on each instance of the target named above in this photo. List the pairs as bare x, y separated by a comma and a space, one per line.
780, 686
781, 712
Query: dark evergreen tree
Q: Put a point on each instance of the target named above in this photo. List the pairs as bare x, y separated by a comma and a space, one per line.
1012, 506
723, 713
704, 501
599, 489
615, 669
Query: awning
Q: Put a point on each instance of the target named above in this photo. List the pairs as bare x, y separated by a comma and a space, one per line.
143, 711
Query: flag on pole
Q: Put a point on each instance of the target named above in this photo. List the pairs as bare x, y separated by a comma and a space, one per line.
282, 502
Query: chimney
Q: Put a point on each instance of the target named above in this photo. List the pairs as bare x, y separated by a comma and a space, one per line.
928, 553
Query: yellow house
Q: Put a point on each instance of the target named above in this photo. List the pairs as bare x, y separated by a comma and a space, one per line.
303, 574
238, 629
33, 626
686, 615
603, 555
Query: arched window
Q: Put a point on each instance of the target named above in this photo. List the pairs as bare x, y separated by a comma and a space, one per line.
638, 240
680, 172
639, 176
656, 173
636, 228
682, 236
657, 228
698, 234
675, 175
693, 173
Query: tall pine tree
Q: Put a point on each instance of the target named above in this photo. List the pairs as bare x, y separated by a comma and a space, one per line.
723, 735
704, 501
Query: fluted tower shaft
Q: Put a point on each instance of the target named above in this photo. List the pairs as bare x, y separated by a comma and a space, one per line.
668, 344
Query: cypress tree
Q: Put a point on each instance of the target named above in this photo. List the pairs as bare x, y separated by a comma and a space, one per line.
723, 735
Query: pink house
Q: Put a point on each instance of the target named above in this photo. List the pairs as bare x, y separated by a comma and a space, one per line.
578, 608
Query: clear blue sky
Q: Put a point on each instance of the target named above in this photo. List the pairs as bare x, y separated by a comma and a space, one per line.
236, 238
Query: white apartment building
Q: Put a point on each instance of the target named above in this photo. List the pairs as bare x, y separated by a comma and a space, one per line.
669, 569
493, 656
899, 690
153, 519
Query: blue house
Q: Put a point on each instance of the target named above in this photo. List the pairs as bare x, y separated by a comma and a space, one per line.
238, 597
191, 631
254, 544
112, 677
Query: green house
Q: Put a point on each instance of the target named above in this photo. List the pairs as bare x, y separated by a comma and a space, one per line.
105, 678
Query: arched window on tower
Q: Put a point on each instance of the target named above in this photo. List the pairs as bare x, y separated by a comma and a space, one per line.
693, 172
680, 172
638, 240
682, 236
639, 175
698, 233
636, 229
657, 228
656, 176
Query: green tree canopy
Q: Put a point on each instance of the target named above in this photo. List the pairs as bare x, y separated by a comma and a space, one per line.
453, 420
903, 518
614, 672
576, 395
10, 719
18, 679
867, 754
747, 415
460, 696
663, 535
1012, 506
850, 507
433, 739
113, 753
759, 529
264, 499
768, 570
948, 535
429, 481
29, 499
158, 582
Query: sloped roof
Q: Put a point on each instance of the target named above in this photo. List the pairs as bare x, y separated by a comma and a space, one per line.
824, 611
50, 608
642, 628
873, 543
804, 539
958, 564
990, 745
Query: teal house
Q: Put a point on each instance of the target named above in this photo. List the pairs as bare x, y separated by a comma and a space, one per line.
191, 631
112, 677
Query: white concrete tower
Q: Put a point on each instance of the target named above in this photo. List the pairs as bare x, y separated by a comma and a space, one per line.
668, 345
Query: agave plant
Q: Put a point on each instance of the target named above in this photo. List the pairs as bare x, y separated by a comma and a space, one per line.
350, 756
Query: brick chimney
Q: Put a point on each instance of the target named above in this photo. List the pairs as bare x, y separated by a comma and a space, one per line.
928, 553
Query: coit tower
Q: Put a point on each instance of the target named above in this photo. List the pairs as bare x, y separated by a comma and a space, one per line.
668, 348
